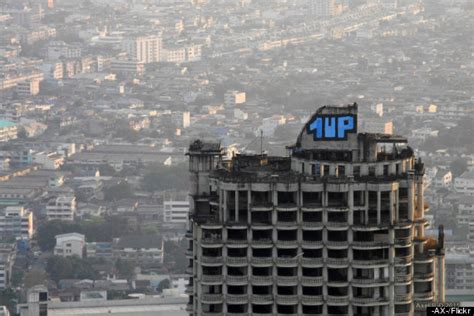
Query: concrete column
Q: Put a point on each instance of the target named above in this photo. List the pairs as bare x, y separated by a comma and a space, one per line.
379, 206
224, 206
366, 205
350, 215
392, 209
420, 204
249, 207
411, 197
236, 205
391, 272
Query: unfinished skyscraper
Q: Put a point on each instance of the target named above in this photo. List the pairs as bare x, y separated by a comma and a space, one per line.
335, 228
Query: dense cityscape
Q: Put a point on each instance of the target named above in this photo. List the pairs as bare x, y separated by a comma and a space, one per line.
236, 157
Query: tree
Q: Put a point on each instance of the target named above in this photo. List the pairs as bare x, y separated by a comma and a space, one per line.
74, 267
8, 298
34, 277
159, 177
47, 232
123, 190
458, 166
165, 284
125, 269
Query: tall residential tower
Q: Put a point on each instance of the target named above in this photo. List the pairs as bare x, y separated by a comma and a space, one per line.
335, 228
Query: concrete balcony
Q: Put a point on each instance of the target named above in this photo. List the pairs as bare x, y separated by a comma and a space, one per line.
262, 243
262, 207
286, 262
262, 261
312, 207
312, 225
189, 270
369, 301
337, 300
287, 280
261, 280
423, 258
406, 260
423, 296
189, 253
312, 243
369, 227
403, 278
337, 225
286, 225
286, 243
337, 283
287, 299
212, 242
337, 209
211, 225
189, 308
423, 277
287, 207
312, 280
236, 261
336, 244
312, 300
212, 314
237, 243
370, 263
189, 235
403, 242
212, 298
369, 244
237, 298
236, 280
262, 226
312, 262
212, 279
262, 299
362, 282
399, 298
212, 261
339, 262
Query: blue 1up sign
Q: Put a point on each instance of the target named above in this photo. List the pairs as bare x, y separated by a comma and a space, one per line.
332, 127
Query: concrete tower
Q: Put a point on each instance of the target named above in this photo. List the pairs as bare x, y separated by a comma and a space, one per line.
336, 228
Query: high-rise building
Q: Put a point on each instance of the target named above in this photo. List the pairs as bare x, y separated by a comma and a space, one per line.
146, 49
323, 8
335, 228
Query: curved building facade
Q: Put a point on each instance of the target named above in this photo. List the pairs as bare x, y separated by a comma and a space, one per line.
337, 227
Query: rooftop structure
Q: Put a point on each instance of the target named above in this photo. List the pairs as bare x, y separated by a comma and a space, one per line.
335, 228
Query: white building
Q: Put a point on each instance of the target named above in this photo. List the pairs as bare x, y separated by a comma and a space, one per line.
146, 49
4, 311
7, 259
57, 50
16, 221
68, 245
233, 97
186, 119
443, 179
127, 66
465, 210
323, 8
464, 184
8, 131
176, 212
61, 208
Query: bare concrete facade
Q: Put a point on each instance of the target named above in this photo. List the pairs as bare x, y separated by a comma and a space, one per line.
335, 228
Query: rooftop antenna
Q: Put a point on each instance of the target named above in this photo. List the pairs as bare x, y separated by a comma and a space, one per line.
261, 143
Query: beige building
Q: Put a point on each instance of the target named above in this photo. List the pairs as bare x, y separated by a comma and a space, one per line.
8, 131
16, 221
61, 208
336, 228
146, 49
